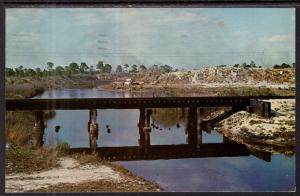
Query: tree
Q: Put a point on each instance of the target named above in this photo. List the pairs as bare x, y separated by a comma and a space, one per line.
284, 65
126, 66
92, 71
166, 68
9, 71
50, 66
276, 67
294, 65
83, 67
100, 66
245, 65
252, 64
19, 70
107, 68
59, 70
38, 71
133, 69
30, 72
143, 68
236, 65
74, 68
119, 69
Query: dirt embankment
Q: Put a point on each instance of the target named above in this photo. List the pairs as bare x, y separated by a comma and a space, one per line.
213, 79
275, 134
71, 176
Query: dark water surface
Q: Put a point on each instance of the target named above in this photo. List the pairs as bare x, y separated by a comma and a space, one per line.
245, 173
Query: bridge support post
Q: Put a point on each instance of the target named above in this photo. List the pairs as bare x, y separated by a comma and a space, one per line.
141, 126
199, 129
192, 126
38, 129
148, 114
93, 129
147, 131
262, 108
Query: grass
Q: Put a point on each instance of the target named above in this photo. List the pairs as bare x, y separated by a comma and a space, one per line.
253, 91
19, 125
62, 149
87, 158
26, 159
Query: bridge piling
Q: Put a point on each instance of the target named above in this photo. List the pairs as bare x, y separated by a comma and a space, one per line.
38, 129
192, 126
199, 129
259, 107
141, 126
93, 129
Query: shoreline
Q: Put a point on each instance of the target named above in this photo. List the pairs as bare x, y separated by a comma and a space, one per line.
275, 134
91, 177
60, 187
133, 183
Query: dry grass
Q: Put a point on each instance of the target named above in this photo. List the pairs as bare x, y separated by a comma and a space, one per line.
27, 159
19, 125
254, 91
87, 158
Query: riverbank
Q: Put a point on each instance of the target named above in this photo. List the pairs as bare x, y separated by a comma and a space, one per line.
73, 176
229, 81
31, 169
275, 134
27, 87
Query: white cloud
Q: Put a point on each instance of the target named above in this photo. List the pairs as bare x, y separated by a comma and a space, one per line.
275, 38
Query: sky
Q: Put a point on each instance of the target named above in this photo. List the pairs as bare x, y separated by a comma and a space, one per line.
181, 37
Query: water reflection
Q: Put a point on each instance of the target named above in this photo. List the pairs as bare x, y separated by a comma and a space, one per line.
240, 173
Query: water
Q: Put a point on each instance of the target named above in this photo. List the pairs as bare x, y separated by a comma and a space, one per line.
245, 173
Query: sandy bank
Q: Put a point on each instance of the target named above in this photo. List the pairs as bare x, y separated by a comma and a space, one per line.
70, 172
275, 134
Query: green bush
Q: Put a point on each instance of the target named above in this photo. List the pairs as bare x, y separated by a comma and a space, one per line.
63, 148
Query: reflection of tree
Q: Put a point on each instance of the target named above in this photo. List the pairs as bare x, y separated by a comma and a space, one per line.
168, 117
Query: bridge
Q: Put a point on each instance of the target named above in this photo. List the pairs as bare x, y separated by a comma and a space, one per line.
252, 104
134, 103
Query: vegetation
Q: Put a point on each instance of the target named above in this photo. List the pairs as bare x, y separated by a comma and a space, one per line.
101, 67
28, 159
62, 149
253, 91
284, 66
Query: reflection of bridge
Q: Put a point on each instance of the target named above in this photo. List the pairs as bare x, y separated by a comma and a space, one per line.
181, 151
193, 128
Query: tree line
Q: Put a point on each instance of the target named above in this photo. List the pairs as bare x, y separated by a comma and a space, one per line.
83, 68
105, 68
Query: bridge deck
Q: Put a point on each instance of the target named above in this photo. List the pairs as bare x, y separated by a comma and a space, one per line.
132, 103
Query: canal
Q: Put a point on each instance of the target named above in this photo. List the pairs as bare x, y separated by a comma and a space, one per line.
245, 173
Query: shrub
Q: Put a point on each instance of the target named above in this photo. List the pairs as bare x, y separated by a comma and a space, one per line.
27, 159
63, 148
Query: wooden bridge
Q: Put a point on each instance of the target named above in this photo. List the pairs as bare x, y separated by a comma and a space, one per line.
252, 104
133, 103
